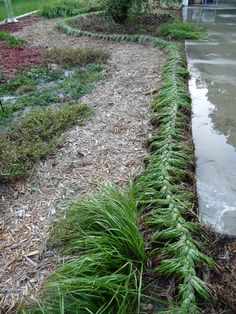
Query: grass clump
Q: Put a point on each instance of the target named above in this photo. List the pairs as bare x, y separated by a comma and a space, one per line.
65, 8
179, 30
34, 137
103, 273
11, 40
33, 111
74, 56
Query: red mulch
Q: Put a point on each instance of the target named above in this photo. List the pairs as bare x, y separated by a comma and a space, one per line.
15, 27
15, 59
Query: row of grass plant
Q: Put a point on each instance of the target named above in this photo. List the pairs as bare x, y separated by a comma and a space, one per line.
105, 253
165, 187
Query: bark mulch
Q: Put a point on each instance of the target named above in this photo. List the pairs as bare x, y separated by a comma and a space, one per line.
15, 59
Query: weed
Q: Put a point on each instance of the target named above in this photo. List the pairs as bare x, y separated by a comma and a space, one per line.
24, 89
69, 89
11, 40
32, 76
34, 137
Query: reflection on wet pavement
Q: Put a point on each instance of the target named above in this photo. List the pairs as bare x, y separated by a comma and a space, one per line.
212, 65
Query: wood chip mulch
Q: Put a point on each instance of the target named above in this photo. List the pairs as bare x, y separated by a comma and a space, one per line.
15, 59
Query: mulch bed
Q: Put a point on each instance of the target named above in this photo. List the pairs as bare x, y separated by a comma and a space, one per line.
15, 59
15, 27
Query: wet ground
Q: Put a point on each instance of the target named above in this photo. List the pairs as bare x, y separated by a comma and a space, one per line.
212, 65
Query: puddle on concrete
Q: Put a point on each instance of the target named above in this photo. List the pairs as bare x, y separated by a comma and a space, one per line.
212, 65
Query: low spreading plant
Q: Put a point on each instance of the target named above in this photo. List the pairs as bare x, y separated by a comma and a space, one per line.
119, 9
179, 30
35, 136
63, 8
11, 40
32, 76
104, 257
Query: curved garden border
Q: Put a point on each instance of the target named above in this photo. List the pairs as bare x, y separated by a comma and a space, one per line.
162, 190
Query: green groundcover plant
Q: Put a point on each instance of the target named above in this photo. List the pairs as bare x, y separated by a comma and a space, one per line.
104, 271
39, 103
11, 40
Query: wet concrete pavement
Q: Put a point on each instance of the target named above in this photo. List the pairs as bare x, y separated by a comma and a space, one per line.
212, 65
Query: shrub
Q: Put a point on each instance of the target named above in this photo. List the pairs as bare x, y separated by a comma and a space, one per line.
65, 8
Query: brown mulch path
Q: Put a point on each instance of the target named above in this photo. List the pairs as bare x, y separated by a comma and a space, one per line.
108, 147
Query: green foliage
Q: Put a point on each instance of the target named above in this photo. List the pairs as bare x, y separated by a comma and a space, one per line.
179, 30
63, 8
53, 87
118, 9
31, 76
103, 273
34, 137
11, 40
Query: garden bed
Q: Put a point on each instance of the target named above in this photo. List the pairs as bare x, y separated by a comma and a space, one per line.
110, 147
15, 57
146, 25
